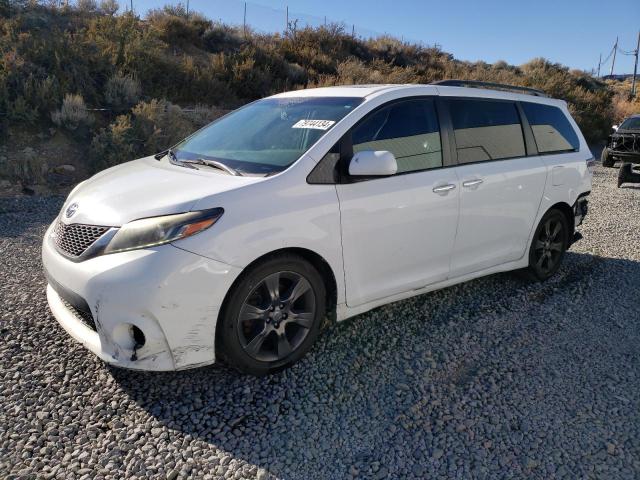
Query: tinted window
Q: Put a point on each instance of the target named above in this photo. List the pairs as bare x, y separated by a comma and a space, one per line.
486, 130
408, 129
551, 129
632, 123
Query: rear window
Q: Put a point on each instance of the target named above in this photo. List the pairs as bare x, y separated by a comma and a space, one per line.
551, 128
486, 130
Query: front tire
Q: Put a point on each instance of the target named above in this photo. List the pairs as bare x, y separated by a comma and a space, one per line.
606, 158
273, 315
549, 244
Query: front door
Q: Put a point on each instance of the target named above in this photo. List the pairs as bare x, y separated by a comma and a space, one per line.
398, 231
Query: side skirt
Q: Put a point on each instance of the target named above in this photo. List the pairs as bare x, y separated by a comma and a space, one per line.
343, 311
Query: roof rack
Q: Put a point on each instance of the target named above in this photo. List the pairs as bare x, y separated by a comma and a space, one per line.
491, 85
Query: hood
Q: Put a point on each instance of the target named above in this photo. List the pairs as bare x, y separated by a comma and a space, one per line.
145, 188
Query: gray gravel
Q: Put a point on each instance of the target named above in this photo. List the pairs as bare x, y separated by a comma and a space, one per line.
497, 378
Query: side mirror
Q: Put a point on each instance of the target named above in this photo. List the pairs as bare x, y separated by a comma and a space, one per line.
615, 127
369, 163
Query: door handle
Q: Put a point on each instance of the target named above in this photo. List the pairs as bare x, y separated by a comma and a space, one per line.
472, 183
444, 188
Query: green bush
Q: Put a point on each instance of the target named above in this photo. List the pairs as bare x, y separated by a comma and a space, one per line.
20, 111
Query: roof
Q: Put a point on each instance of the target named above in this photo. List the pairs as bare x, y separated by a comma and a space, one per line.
362, 91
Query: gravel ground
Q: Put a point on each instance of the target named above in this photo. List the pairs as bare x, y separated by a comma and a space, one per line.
496, 378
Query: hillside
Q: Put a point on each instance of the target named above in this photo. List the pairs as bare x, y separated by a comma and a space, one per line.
82, 88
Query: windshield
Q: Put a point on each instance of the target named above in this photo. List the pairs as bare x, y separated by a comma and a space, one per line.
268, 135
632, 123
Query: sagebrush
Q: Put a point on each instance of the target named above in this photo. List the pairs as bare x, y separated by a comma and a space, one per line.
52, 58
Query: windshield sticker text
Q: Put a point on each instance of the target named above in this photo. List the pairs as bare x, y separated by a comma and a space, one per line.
316, 124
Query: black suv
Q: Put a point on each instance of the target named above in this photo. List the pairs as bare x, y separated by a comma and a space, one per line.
624, 143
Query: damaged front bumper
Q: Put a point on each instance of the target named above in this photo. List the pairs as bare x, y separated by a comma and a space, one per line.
150, 309
625, 147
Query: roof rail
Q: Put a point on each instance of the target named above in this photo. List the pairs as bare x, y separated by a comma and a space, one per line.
491, 85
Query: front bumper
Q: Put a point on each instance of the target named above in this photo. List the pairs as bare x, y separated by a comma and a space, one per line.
632, 157
625, 147
172, 296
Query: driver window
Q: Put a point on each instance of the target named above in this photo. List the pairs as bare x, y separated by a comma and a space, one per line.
408, 129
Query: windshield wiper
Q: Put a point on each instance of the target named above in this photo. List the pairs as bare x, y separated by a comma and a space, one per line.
198, 161
169, 152
211, 163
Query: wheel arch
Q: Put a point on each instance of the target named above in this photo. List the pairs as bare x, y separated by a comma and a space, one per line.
319, 263
567, 211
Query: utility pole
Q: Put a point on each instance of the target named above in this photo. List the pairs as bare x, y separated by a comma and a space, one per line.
635, 69
244, 21
286, 27
187, 8
599, 63
615, 49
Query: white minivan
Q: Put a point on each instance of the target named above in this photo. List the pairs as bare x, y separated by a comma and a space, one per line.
241, 241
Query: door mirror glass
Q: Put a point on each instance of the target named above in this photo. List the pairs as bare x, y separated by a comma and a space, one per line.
615, 127
367, 163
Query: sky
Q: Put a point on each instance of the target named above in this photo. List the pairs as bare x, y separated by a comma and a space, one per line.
571, 32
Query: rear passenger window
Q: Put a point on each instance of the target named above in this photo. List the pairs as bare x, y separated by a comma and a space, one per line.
408, 129
486, 130
551, 128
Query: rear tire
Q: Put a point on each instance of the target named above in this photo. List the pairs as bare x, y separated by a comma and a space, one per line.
273, 315
549, 244
606, 158
626, 174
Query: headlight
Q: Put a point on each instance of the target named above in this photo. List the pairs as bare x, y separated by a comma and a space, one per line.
153, 231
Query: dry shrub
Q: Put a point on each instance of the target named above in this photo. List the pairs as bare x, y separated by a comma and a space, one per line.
73, 115
201, 115
109, 7
87, 5
20, 111
26, 167
122, 92
114, 144
161, 124
150, 128
624, 107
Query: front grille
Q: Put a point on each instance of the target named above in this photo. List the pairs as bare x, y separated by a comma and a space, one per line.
74, 239
84, 317
626, 143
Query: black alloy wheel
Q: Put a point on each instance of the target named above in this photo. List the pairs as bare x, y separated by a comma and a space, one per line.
273, 315
549, 244
276, 316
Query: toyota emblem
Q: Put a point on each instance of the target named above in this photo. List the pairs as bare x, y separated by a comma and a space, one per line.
71, 210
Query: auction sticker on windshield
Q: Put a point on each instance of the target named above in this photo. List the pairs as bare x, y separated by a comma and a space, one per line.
316, 124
